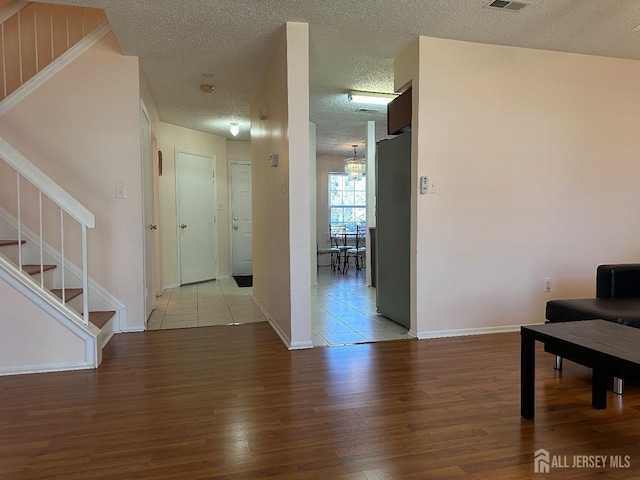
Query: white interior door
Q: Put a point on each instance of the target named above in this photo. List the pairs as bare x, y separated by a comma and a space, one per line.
197, 230
149, 226
241, 219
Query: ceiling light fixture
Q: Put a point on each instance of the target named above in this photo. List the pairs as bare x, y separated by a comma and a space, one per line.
207, 88
355, 167
234, 128
371, 97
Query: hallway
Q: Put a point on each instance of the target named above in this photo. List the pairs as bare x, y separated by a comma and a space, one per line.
343, 309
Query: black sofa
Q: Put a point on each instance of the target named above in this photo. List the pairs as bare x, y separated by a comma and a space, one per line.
617, 300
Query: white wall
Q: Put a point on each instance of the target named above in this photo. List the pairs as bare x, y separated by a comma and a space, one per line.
313, 251
535, 158
325, 164
371, 196
240, 151
172, 137
82, 128
31, 341
299, 178
281, 194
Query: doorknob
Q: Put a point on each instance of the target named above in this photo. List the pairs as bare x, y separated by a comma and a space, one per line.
235, 227
153, 227
235, 218
183, 226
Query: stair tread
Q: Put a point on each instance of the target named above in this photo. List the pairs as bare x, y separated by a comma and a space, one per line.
6, 243
69, 293
35, 269
99, 319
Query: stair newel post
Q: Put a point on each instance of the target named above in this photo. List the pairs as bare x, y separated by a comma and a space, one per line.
85, 276
64, 294
19, 222
41, 241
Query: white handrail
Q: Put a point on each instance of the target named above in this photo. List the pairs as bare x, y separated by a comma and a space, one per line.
24, 168
44, 183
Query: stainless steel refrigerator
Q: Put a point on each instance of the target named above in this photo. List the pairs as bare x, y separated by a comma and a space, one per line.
393, 227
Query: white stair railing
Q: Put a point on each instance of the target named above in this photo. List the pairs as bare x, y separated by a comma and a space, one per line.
25, 170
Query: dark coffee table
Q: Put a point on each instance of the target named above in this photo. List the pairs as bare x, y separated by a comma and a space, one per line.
606, 347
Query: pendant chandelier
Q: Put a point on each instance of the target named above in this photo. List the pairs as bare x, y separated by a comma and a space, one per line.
355, 167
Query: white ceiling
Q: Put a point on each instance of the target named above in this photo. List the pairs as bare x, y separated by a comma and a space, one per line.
227, 43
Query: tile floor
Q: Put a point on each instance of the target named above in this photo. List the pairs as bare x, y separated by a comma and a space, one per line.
219, 302
342, 309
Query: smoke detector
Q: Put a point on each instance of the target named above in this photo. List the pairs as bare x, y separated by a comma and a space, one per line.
507, 6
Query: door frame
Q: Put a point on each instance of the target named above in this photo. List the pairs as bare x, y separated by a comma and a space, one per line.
149, 291
176, 152
234, 162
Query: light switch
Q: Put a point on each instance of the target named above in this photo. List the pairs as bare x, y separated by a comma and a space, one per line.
424, 185
120, 192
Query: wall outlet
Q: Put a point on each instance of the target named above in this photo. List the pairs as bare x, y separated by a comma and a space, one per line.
547, 285
433, 187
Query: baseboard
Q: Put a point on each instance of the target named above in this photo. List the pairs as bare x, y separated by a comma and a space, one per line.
132, 330
300, 345
60, 367
467, 331
171, 285
283, 336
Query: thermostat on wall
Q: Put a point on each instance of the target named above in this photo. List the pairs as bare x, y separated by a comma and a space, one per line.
273, 160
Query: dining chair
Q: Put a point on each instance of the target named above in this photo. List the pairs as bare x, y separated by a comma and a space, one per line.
332, 251
338, 235
359, 251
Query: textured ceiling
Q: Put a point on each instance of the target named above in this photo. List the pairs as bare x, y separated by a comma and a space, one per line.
182, 44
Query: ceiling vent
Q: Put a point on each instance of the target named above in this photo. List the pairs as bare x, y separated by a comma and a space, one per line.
507, 6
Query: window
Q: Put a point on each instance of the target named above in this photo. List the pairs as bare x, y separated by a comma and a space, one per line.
347, 201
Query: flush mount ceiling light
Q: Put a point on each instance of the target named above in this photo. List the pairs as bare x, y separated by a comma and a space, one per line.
355, 167
207, 88
234, 128
371, 97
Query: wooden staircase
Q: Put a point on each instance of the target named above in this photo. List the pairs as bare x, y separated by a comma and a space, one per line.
97, 318
39, 40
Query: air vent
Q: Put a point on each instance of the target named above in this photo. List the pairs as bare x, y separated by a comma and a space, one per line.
507, 6
369, 110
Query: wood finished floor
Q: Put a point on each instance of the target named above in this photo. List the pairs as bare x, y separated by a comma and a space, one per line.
232, 403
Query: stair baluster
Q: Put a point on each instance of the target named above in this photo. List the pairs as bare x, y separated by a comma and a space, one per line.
67, 204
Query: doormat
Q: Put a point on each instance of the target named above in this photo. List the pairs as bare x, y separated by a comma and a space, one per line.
244, 280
